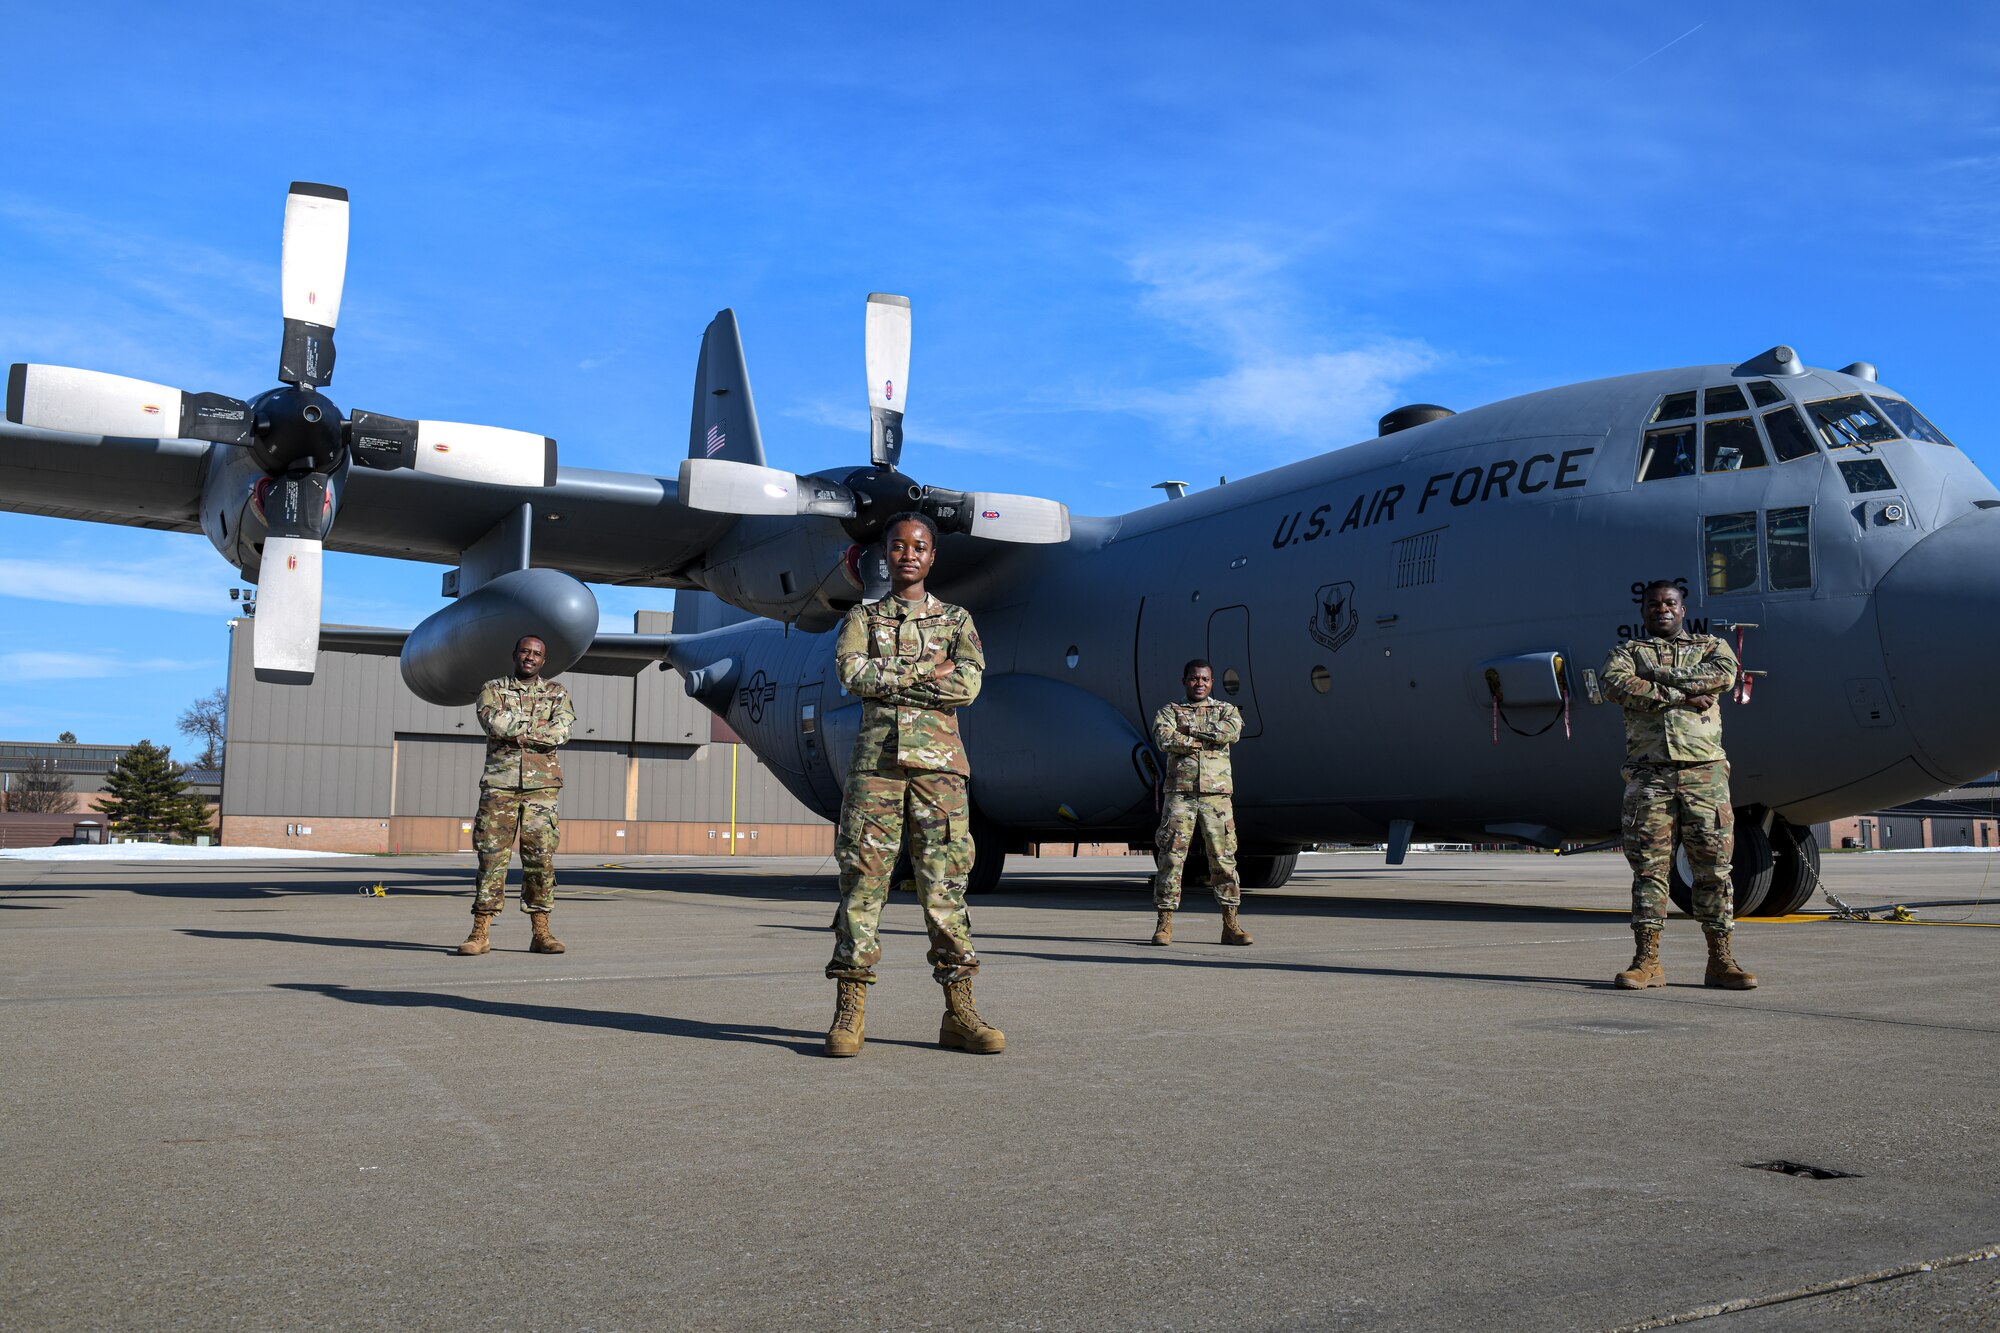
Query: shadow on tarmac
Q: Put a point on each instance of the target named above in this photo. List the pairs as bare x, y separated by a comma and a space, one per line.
791, 1039
335, 941
1145, 954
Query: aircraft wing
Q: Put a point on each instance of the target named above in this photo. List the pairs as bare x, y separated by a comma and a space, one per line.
139, 483
604, 527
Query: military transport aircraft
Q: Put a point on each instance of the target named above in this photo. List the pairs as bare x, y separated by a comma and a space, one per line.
1409, 624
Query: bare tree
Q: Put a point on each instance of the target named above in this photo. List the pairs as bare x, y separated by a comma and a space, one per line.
44, 790
204, 720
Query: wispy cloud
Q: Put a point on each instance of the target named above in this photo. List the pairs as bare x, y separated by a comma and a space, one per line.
194, 582
1281, 379
952, 439
89, 666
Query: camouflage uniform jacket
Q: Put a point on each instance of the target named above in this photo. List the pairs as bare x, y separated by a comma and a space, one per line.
1196, 738
1652, 678
913, 665
524, 721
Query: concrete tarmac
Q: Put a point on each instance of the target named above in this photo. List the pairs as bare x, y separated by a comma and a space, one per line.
247, 1095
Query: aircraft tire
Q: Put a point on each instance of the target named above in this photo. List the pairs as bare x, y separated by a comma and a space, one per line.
1266, 870
1750, 869
989, 854
1795, 876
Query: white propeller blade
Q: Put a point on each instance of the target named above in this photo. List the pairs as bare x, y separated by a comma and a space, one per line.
315, 253
90, 402
1016, 518
490, 454
286, 639
887, 338
314, 270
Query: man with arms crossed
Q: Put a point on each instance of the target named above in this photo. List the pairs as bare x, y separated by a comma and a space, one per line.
525, 719
1196, 735
1676, 781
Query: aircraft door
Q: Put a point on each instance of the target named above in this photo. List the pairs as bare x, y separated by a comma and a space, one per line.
1229, 654
813, 746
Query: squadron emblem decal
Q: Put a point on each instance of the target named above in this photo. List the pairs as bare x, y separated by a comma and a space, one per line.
1334, 618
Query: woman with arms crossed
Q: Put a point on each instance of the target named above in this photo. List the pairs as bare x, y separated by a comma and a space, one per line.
913, 661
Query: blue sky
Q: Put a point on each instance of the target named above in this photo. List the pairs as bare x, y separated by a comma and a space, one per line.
1168, 240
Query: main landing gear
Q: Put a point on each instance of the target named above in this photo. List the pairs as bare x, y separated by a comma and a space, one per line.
1775, 870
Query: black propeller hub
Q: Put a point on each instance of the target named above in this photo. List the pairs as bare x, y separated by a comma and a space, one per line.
880, 493
297, 427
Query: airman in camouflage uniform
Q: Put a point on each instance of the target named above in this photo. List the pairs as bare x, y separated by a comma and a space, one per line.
914, 661
1676, 782
1195, 735
525, 719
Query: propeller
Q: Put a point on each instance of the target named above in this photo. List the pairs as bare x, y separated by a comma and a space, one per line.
865, 499
295, 433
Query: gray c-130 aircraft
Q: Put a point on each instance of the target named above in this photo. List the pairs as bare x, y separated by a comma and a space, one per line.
1409, 624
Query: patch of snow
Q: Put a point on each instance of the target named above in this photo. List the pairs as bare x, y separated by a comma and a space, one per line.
157, 851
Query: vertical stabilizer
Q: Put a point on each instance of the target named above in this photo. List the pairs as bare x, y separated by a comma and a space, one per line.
724, 421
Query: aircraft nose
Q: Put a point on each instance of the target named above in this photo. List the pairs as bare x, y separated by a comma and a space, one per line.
1938, 609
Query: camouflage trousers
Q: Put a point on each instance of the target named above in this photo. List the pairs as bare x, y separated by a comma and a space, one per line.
1688, 803
501, 814
876, 809
1217, 821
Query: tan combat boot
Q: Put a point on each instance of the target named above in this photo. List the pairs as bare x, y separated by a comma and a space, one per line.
476, 943
543, 942
1231, 932
1163, 930
1645, 971
844, 1037
962, 1028
1723, 971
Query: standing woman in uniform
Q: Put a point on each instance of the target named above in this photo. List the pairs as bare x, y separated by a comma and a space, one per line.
913, 661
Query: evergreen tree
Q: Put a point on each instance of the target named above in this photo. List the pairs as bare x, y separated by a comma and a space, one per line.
67, 738
146, 793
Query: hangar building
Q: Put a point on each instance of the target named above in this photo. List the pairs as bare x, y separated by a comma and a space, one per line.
355, 762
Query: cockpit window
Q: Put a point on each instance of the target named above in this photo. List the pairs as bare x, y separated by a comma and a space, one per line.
1867, 474
1849, 421
1729, 543
1788, 548
1731, 444
1667, 452
1675, 407
1789, 437
1727, 398
1765, 393
1910, 421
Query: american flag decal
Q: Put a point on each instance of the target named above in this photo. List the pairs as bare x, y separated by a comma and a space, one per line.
716, 439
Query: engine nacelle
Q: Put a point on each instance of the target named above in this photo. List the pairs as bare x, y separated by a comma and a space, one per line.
451, 654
